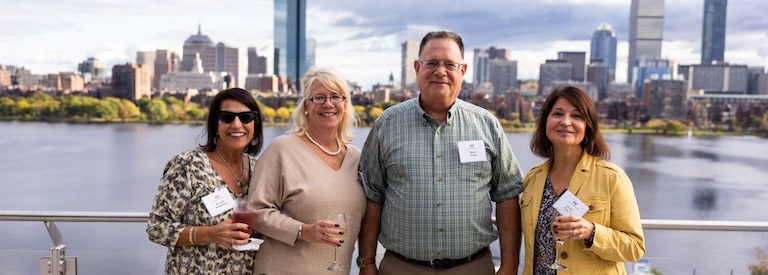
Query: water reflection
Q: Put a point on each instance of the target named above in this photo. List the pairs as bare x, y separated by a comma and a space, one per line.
117, 167
705, 199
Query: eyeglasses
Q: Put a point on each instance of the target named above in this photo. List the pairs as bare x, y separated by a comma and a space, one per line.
320, 99
433, 64
245, 117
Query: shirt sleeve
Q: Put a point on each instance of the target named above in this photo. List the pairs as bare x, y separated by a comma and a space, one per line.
507, 180
622, 240
173, 196
372, 166
267, 195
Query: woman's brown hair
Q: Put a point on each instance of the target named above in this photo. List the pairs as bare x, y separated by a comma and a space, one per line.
593, 142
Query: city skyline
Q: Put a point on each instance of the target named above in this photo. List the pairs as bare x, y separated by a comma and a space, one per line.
362, 39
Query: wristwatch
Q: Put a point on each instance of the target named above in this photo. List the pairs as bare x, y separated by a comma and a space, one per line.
361, 262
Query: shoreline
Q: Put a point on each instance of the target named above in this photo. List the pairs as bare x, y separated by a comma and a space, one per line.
508, 128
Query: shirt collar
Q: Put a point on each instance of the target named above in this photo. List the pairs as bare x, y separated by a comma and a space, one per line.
427, 118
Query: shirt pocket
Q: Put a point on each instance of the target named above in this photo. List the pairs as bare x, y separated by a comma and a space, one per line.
598, 210
526, 211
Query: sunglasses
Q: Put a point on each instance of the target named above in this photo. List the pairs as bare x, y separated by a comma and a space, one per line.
245, 117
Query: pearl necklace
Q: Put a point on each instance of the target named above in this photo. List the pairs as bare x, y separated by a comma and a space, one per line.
240, 180
323, 148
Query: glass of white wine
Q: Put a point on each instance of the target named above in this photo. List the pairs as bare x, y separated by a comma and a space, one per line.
341, 219
559, 244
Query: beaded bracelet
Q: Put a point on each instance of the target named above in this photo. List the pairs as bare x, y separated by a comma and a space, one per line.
191, 231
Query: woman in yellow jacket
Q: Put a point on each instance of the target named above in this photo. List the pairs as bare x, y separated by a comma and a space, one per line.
568, 136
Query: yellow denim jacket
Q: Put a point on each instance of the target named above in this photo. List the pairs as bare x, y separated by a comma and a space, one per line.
607, 190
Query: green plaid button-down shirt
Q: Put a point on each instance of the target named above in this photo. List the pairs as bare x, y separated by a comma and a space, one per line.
434, 206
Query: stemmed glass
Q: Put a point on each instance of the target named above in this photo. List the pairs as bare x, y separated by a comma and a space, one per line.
341, 219
557, 264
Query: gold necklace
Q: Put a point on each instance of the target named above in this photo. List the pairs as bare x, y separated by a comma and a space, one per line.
323, 148
240, 180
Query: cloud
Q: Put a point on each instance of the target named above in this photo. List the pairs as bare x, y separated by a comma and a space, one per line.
362, 39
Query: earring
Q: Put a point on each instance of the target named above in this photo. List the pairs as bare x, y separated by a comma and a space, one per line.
584, 141
216, 139
253, 142
305, 113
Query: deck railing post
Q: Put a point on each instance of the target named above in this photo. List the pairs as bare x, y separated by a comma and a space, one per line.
57, 263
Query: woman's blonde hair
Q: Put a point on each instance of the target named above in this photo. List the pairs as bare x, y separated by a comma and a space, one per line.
332, 80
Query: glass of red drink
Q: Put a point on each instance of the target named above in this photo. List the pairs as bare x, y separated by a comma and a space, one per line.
244, 214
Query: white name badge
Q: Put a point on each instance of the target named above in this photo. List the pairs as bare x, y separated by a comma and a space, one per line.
570, 205
471, 151
218, 202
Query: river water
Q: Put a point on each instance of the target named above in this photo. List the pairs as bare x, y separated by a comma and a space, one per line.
116, 167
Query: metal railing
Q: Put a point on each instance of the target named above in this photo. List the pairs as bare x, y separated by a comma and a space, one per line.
58, 263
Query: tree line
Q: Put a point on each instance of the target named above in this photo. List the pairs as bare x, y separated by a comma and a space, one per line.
76, 108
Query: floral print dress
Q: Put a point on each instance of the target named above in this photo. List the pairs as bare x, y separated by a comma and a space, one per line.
544, 243
187, 178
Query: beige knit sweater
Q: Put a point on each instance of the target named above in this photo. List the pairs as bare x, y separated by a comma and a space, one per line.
291, 185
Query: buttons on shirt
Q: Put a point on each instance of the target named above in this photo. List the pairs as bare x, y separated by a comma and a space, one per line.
439, 204
439, 155
440, 179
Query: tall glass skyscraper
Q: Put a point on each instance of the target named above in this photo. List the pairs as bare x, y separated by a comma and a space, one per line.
603, 46
646, 30
713, 31
290, 59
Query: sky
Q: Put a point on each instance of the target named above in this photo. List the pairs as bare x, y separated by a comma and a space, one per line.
360, 38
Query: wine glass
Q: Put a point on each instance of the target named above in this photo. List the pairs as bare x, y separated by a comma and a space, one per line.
557, 264
341, 219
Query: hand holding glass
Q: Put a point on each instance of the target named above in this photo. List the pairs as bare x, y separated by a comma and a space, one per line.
244, 214
341, 219
557, 264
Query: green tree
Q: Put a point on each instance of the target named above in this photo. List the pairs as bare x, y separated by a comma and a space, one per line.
761, 268
196, 114
656, 124
268, 113
674, 127
8, 107
157, 111
283, 113
375, 112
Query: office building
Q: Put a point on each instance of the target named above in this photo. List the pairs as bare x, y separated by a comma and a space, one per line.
603, 47
553, 70
577, 61
753, 81
646, 29
599, 73
311, 46
256, 64
228, 61
482, 56
147, 61
203, 45
290, 41
648, 69
166, 61
716, 78
666, 99
131, 82
410, 53
502, 75
713, 31
92, 68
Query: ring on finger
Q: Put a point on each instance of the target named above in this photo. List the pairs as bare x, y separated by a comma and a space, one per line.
573, 233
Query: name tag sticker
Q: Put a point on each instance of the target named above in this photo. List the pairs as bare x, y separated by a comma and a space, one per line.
471, 151
218, 202
570, 205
